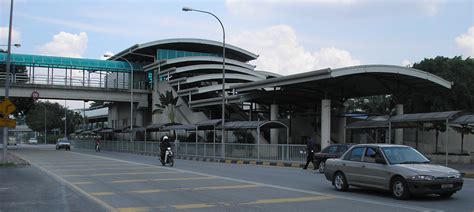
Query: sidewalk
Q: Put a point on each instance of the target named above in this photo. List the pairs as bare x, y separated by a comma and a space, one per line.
16, 161
26, 188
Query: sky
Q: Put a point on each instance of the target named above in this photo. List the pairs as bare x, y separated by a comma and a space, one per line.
290, 36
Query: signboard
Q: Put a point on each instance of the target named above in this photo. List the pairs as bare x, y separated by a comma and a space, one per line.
35, 95
10, 123
7, 107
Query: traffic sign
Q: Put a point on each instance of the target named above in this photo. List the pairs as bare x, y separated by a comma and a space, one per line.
35, 95
7, 107
10, 123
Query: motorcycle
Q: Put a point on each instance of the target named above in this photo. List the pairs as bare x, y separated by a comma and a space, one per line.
169, 158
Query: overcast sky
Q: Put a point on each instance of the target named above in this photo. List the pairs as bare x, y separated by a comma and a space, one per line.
291, 36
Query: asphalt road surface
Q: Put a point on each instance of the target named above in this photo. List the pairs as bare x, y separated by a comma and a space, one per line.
128, 182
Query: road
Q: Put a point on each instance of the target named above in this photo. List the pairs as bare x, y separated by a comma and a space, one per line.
128, 182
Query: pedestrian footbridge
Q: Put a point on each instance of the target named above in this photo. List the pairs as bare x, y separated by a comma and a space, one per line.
74, 78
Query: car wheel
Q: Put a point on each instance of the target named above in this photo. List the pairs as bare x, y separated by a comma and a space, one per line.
340, 182
446, 195
399, 189
322, 166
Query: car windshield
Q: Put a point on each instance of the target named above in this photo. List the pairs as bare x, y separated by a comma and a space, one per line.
404, 155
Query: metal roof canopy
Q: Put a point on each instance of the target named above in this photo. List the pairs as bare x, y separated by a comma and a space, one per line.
405, 120
341, 83
158, 126
424, 117
253, 124
208, 124
66, 62
464, 120
144, 52
135, 129
187, 127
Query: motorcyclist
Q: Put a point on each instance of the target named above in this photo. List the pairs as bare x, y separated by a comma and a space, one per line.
163, 146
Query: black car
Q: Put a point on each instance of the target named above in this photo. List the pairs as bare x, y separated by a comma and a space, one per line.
63, 144
331, 151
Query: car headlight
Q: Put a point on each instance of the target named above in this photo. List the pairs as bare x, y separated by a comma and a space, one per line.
456, 176
423, 177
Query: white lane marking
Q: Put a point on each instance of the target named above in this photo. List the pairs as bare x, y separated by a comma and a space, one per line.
276, 186
74, 187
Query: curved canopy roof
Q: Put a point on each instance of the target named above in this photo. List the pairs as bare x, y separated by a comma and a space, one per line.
139, 52
342, 83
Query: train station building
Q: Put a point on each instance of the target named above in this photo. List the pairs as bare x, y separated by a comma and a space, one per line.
177, 87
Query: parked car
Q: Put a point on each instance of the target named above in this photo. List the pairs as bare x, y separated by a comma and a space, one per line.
32, 141
11, 141
331, 151
399, 169
63, 143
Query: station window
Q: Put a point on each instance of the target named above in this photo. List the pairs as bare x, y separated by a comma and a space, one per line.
164, 54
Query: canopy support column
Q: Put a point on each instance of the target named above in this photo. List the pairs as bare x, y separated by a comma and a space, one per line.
274, 116
325, 123
399, 132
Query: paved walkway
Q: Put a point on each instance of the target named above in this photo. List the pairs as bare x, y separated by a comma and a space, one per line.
26, 188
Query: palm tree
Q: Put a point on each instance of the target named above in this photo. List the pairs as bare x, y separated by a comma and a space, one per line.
167, 102
438, 127
463, 129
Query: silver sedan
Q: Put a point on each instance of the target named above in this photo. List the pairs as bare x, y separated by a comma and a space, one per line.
399, 169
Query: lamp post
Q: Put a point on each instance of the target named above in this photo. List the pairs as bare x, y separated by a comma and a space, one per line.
7, 80
188, 9
131, 93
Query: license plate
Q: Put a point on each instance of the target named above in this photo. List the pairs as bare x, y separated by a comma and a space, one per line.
447, 186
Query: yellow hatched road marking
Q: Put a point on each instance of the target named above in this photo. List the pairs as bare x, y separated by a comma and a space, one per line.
178, 189
87, 165
121, 168
102, 193
164, 179
290, 200
147, 191
133, 209
82, 183
226, 187
127, 173
192, 206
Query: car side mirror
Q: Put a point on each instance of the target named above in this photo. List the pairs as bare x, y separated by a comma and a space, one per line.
380, 160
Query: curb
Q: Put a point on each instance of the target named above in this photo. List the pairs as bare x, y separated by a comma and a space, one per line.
468, 174
233, 161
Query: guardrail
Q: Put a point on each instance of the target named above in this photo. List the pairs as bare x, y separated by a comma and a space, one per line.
262, 152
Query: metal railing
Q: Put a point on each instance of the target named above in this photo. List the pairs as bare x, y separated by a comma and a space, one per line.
262, 152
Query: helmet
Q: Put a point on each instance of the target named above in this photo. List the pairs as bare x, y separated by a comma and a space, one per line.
165, 137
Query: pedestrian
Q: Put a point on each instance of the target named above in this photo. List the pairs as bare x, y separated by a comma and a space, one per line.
310, 150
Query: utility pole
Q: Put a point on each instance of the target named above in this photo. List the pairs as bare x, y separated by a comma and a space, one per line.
7, 81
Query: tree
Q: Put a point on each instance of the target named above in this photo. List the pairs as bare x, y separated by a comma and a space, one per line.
374, 105
437, 127
52, 112
169, 103
463, 129
461, 96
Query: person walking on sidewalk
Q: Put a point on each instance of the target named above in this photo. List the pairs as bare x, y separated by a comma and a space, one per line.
310, 150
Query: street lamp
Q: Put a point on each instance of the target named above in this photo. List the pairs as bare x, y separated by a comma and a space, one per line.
131, 93
7, 80
188, 9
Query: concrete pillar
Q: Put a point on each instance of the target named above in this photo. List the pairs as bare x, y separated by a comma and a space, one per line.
341, 127
155, 96
399, 132
325, 122
274, 116
139, 118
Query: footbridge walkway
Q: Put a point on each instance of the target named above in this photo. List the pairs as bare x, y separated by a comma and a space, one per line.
74, 78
